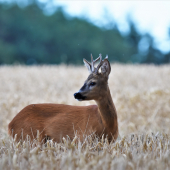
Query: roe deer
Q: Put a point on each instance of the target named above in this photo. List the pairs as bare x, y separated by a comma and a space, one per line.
57, 120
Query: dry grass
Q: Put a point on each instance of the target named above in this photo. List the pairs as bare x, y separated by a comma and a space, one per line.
142, 98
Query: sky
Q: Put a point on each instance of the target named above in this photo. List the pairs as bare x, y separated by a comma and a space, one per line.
149, 15
152, 16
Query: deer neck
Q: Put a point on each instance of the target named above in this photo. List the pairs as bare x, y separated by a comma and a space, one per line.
108, 112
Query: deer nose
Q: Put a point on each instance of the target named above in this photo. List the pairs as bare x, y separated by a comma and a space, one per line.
78, 96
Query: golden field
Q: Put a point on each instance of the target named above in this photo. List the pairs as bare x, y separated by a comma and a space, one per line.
141, 95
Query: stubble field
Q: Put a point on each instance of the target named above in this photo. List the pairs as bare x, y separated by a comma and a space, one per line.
142, 98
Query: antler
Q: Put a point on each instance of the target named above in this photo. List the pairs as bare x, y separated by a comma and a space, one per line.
92, 68
91, 65
100, 64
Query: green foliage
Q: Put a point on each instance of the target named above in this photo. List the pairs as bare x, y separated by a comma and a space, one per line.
28, 36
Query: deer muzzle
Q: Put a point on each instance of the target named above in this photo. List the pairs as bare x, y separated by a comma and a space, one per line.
79, 96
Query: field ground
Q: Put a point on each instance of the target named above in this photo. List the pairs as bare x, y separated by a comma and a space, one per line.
142, 98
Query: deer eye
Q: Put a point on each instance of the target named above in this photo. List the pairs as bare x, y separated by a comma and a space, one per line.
92, 83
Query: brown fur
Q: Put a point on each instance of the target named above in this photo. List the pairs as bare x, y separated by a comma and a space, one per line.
56, 121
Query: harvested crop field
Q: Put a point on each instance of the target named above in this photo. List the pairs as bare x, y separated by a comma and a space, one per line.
141, 95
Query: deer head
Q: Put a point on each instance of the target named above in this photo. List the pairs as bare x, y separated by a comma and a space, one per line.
96, 85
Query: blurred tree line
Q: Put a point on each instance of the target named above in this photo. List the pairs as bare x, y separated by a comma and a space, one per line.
27, 36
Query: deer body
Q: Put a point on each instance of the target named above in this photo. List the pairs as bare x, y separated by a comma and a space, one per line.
56, 121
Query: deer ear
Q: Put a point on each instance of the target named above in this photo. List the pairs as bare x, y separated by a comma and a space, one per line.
105, 67
87, 64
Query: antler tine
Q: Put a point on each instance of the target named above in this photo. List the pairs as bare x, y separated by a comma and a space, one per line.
96, 60
87, 61
92, 63
99, 65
